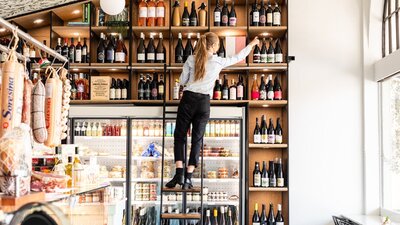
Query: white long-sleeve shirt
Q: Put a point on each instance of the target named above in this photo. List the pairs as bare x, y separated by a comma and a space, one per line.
214, 66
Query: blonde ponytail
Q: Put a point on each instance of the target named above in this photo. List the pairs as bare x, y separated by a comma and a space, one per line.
206, 42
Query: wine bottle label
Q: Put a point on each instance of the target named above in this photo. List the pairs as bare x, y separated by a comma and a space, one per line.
256, 223
269, 18
264, 138
141, 93
271, 138
272, 182
100, 56
225, 94
176, 93
112, 93
232, 94
151, 12
185, 21
217, 16
78, 56
217, 95
120, 56
263, 19
279, 223
118, 93
278, 95
232, 21
160, 56
80, 88
110, 55
256, 17
280, 182
278, 58
32, 54
84, 51
256, 58
147, 93
141, 56
150, 56
278, 139
160, 12
255, 95
179, 59
161, 89
263, 95
257, 180
143, 12
233, 129
154, 92
264, 58
270, 95
270, 58
240, 91
257, 139
277, 18
225, 19
193, 22
264, 182
124, 93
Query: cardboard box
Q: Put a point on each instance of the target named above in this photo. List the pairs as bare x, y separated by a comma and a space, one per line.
234, 45
100, 88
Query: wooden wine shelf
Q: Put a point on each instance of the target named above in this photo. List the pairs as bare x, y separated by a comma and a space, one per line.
187, 30
106, 29
229, 31
147, 30
109, 67
180, 216
273, 67
106, 102
268, 104
267, 32
148, 66
72, 32
268, 146
261, 189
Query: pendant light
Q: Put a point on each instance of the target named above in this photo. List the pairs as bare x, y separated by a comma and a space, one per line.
112, 7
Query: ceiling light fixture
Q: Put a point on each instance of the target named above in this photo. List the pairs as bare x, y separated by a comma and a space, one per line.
77, 11
112, 7
37, 21
76, 34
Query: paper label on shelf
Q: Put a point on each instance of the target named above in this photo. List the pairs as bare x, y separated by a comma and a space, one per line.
269, 18
256, 17
278, 58
264, 182
280, 182
270, 58
141, 56
150, 56
278, 139
277, 18
160, 56
143, 12
257, 139
151, 12
217, 16
78, 55
160, 12
120, 56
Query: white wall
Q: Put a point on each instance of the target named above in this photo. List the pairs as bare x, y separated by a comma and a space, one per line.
326, 111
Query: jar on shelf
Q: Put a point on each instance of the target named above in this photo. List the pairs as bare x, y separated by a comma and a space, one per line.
89, 197
179, 196
96, 197
196, 197
189, 197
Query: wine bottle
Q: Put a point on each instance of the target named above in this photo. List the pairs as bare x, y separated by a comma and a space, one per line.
277, 15
217, 90
264, 176
71, 50
179, 50
221, 51
277, 89
257, 133
64, 50
264, 130
263, 218
232, 91
264, 52
256, 217
240, 89
257, 175
58, 47
42, 53
230, 219
208, 218
225, 15
160, 14
78, 51
271, 132
255, 93
142, 21
271, 218
215, 217
222, 220
269, 14
112, 89
255, 15
271, 53
85, 57
263, 14
263, 90
147, 90
141, 50
278, 52
151, 50
151, 13
270, 90
193, 16
232, 15
202, 15
120, 51
153, 87
160, 52
278, 132
256, 54
101, 51
271, 174
160, 87
225, 89
217, 14
188, 49
279, 216
124, 91
118, 90
141, 88
195, 42
185, 15
176, 14
110, 55
280, 180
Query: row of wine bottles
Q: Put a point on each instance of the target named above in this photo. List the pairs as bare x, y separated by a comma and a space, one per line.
114, 51
151, 13
263, 219
266, 90
152, 89
269, 178
75, 53
270, 135
262, 16
151, 54
270, 55
189, 19
222, 91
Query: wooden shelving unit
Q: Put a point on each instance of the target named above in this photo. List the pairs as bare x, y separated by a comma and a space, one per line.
267, 146
260, 189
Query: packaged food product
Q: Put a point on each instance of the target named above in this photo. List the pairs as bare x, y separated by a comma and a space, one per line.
48, 182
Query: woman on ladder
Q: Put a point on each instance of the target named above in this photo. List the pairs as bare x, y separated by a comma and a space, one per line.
198, 75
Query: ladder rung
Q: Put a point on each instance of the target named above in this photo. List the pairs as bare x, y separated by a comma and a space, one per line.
181, 216
178, 189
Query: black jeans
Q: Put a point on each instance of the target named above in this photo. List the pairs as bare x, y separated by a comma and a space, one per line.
194, 108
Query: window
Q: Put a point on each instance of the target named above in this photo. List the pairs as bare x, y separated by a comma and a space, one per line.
390, 27
390, 146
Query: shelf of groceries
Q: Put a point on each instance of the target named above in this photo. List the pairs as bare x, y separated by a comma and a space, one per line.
189, 202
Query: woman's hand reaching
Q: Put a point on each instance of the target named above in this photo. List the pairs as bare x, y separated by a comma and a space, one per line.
254, 42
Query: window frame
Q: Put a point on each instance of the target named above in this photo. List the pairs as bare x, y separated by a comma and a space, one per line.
389, 12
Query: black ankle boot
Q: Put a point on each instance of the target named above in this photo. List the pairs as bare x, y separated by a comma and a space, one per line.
178, 179
188, 184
